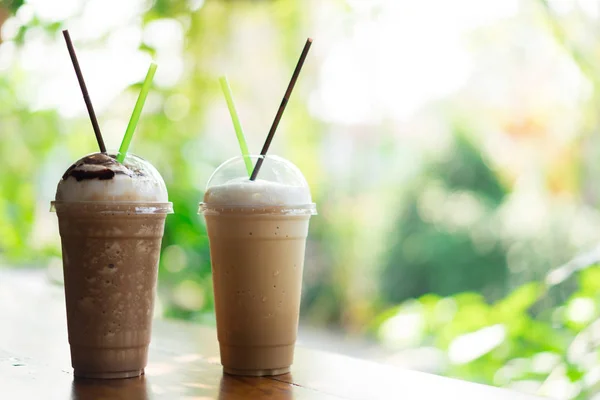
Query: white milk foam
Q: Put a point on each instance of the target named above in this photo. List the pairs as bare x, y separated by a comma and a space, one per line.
135, 181
243, 192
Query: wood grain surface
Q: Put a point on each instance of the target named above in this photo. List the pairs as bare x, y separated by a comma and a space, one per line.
184, 362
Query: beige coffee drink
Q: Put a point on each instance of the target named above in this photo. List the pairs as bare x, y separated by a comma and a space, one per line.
257, 232
111, 221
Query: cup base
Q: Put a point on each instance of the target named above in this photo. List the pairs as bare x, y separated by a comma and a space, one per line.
108, 375
256, 372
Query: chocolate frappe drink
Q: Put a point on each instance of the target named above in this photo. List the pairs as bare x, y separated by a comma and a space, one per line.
111, 219
257, 232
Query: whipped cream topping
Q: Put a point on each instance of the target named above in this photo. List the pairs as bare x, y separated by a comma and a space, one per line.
244, 192
100, 177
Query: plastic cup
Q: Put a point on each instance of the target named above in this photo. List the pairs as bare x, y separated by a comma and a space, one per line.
110, 253
257, 257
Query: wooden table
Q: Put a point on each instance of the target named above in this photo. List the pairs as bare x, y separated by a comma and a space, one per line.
184, 363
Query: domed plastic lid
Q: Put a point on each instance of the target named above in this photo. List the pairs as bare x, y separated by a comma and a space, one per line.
100, 178
279, 187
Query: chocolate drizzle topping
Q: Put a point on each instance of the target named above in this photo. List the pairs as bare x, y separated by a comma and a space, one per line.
103, 174
110, 164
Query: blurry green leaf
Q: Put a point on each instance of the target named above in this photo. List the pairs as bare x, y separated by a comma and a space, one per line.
12, 5
574, 373
20, 36
54, 27
149, 49
589, 281
519, 301
545, 337
380, 318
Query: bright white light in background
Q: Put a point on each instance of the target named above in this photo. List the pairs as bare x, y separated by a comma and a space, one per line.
125, 38
107, 73
525, 212
7, 54
166, 36
559, 385
471, 346
100, 17
405, 328
412, 53
53, 11
388, 67
25, 13
195, 4
10, 28
592, 377
511, 370
543, 363
189, 295
562, 6
344, 93
108, 70
581, 310
589, 7
170, 71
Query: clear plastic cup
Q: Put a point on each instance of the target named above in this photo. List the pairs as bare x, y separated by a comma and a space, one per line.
257, 234
111, 251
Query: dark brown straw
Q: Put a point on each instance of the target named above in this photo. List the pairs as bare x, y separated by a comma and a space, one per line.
284, 102
84, 91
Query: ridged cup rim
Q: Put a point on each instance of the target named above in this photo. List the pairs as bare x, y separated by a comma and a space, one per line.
113, 207
216, 209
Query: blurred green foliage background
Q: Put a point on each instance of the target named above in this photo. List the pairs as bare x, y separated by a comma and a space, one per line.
452, 149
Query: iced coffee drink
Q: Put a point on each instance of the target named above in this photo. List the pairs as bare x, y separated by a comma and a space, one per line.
111, 219
257, 232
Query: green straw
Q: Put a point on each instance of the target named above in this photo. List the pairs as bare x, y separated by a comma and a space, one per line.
236, 123
137, 111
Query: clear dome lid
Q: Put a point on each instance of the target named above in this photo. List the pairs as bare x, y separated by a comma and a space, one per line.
100, 178
279, 184
274, 169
